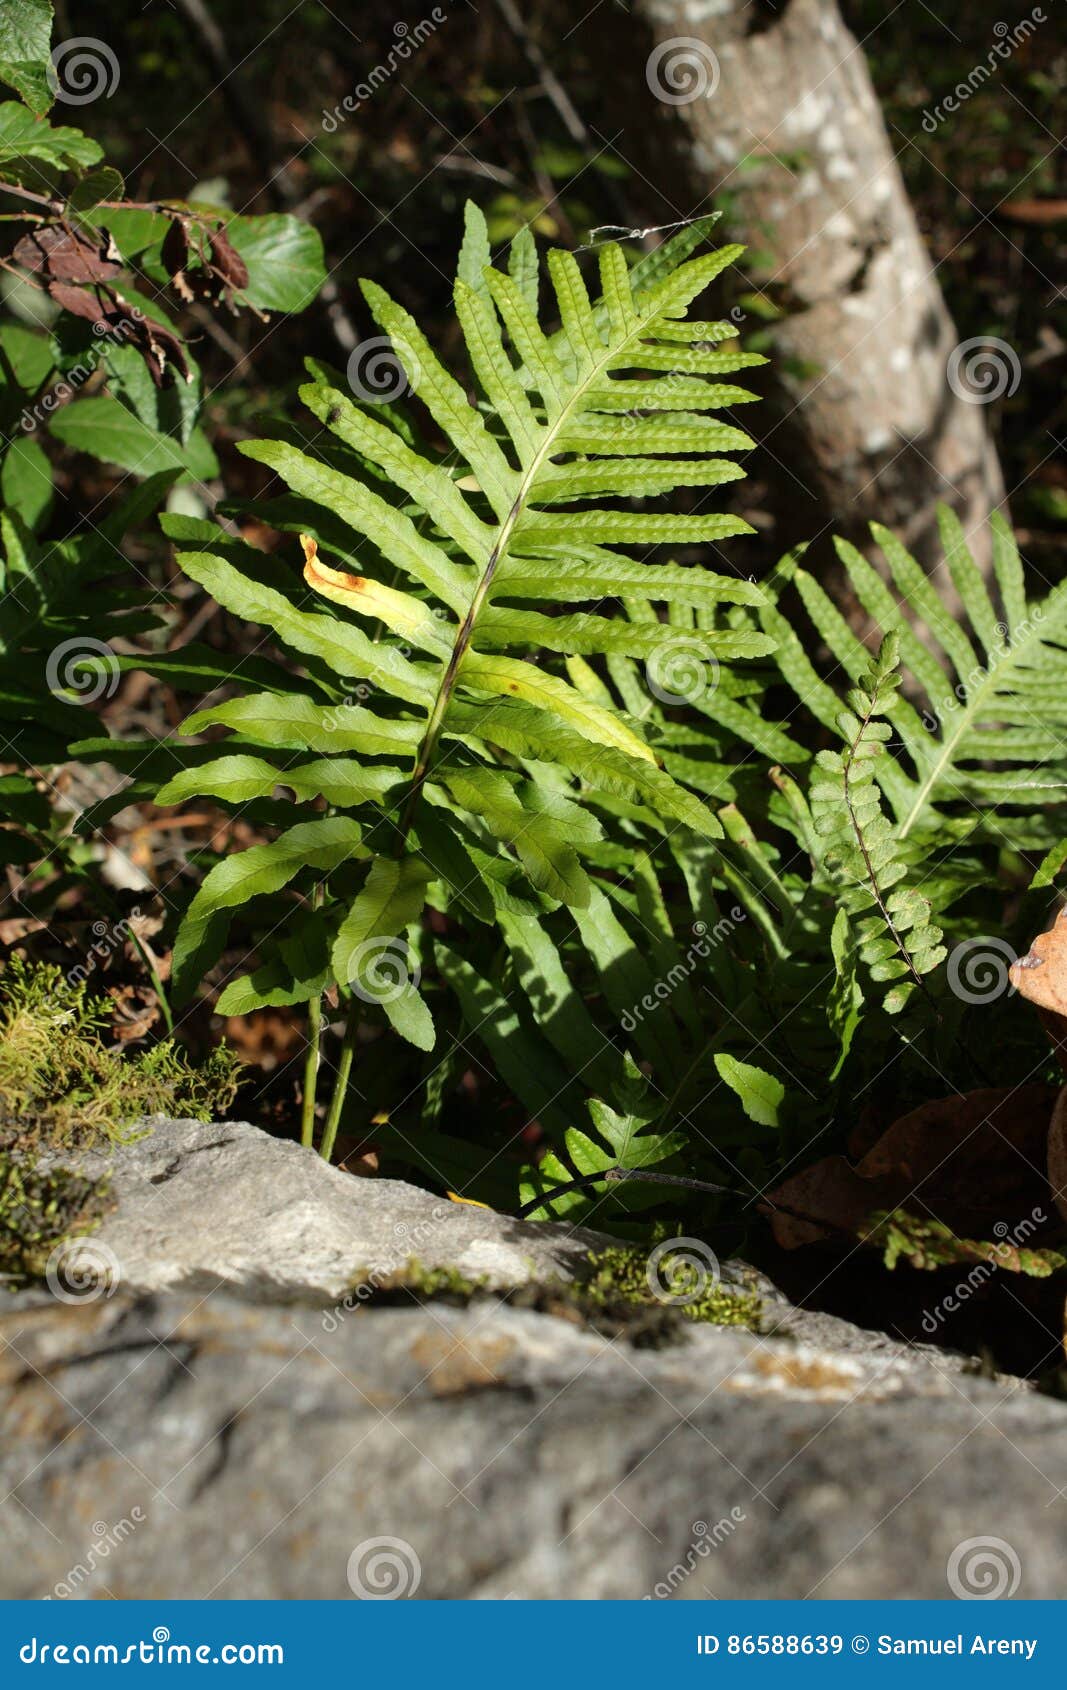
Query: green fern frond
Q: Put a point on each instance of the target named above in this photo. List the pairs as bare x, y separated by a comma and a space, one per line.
458, 632
861, 851
982, 751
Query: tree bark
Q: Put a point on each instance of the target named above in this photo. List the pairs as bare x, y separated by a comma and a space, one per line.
775, 113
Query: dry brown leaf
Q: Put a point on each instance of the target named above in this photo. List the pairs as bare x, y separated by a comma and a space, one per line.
1041, 977
972, 1162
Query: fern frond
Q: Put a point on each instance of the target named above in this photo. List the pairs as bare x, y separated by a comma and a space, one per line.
861, 849
989, 742
457, 630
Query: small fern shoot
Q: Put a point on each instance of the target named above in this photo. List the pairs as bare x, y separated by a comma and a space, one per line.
899, 943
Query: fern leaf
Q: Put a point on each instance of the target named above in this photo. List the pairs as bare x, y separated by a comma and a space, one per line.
422, 601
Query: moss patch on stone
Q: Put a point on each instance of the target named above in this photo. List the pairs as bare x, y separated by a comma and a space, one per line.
62, 1088
38, 1213
61, 1085
613, 1296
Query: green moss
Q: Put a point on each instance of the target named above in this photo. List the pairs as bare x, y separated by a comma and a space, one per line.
38, 1211
613, 1296
624, 1273
927, 1244
63, 1088
424, 1283
61, 1085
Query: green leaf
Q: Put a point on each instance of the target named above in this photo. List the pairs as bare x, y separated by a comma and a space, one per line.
25, 51
319, 845
1050, 866
285, 261
291, 721
392, 898
106, 429
26, 481
104, 183
527, 1064
240, 779
299, 972
22, 136
760, 1093
31, 355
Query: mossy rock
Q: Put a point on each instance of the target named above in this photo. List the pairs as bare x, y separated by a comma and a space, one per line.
614, 1297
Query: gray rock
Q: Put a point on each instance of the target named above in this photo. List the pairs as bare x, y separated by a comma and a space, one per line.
204, 1446
201, 1411
201, 1205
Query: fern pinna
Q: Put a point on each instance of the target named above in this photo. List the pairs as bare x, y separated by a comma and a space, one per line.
447, 716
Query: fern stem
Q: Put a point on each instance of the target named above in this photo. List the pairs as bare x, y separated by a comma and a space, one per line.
439, 710
311, 1072
340, 1087
615, 1176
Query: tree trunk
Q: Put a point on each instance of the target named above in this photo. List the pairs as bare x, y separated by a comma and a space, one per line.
776, 115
